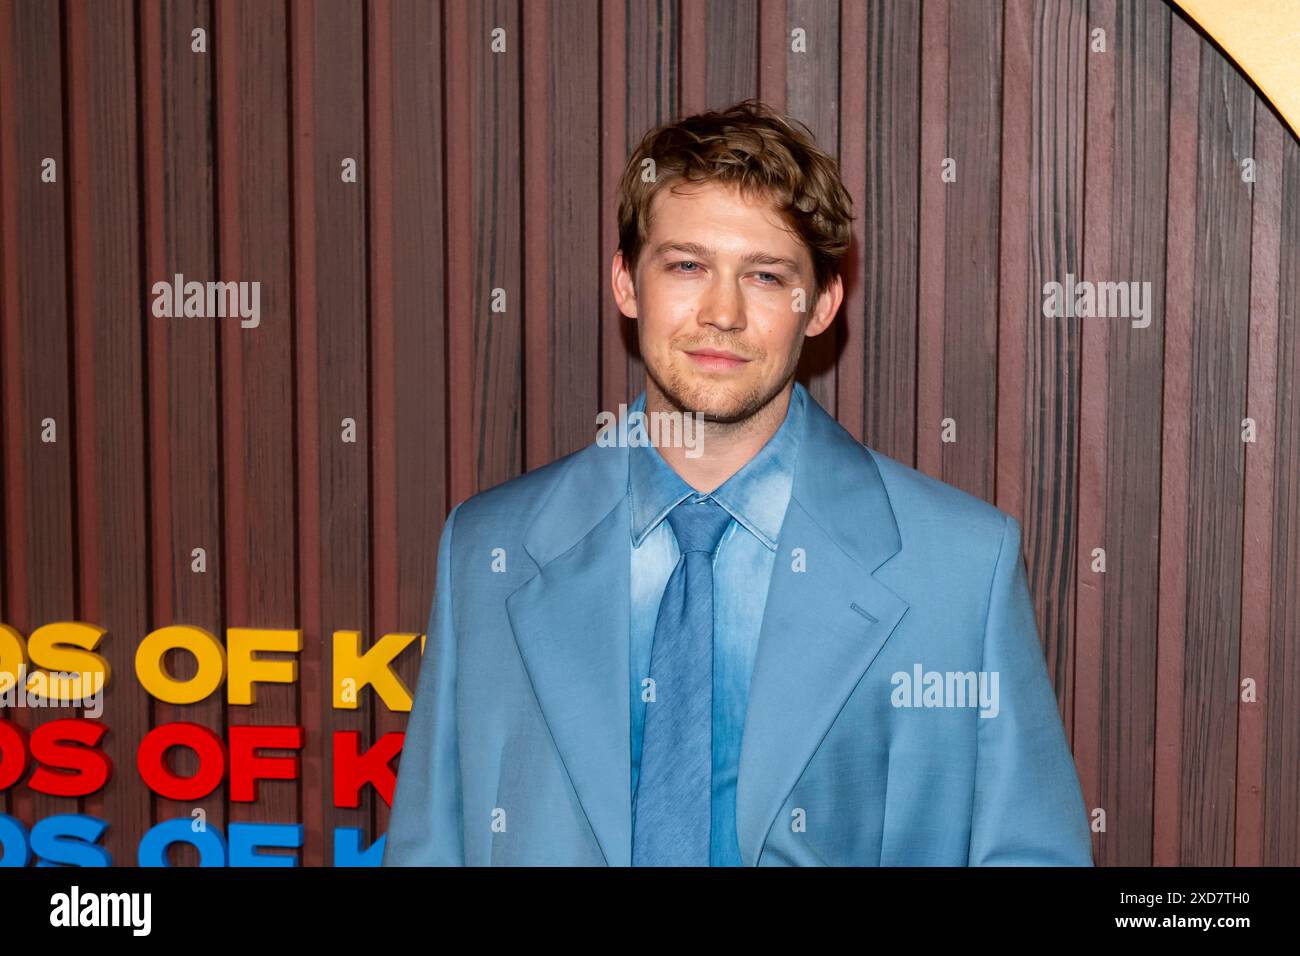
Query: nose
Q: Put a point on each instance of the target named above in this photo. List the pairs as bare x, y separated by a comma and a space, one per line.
723, 305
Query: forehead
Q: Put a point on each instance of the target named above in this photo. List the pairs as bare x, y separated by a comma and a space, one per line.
680, 211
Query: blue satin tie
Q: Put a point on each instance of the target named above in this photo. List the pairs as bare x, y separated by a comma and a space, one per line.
675, 784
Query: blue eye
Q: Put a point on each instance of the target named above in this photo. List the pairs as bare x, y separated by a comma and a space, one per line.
684, 262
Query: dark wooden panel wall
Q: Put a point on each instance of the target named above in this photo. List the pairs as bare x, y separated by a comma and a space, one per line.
482, 170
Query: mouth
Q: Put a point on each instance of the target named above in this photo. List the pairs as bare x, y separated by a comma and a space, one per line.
717, 360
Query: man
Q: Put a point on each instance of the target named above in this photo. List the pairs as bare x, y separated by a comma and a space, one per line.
759, 643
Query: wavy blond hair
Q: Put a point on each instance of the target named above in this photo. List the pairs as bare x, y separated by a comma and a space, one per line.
758, 149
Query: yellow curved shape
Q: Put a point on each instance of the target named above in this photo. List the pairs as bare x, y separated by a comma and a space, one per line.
1263, 37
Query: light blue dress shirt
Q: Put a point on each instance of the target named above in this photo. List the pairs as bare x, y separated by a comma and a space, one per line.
756, 498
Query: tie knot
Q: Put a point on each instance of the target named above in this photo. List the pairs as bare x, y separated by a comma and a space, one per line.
698, 525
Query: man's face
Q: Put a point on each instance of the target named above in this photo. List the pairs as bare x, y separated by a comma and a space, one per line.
715, 298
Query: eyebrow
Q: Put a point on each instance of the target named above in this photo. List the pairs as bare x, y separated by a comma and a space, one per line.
704, 252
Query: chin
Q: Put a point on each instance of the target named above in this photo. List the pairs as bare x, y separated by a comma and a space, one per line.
720, 408
717, 401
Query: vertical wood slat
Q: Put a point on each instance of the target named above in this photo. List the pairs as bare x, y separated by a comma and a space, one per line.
1016, 294
1044, 44
42, 583
342, 335
1094, 410
809, 77
313, 693
1052, 345
419, 182
730, 50
385, 588
1281, 812
1258, 520
774, 42
614, 331
693, 93
932, 242
968, 347
1184, 68
485, 203
109, 313
183, 410
459, 42
851, 321
563, 258
1220, 330
664, 78
411, 126
1119, 662
1136, 358
878, 374
184, 368
553, 400
12, 608
540, 317
253, 197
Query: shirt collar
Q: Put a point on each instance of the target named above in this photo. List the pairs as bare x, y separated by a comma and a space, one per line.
756, 495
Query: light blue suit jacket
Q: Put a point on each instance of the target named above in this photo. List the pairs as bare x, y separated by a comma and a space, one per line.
517, 746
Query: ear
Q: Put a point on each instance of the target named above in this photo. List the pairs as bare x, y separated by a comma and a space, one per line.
826, 307
621, 281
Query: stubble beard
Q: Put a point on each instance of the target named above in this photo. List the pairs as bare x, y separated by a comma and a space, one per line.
689, 394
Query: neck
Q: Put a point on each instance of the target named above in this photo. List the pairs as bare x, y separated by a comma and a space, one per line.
725, 447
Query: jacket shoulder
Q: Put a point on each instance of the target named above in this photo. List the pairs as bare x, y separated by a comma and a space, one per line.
512, 502
925, 504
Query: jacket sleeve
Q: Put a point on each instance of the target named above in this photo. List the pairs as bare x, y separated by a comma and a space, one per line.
1028, 807
425, 825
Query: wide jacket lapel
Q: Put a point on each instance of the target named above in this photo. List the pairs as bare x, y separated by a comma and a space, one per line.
825, 621
570, 622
